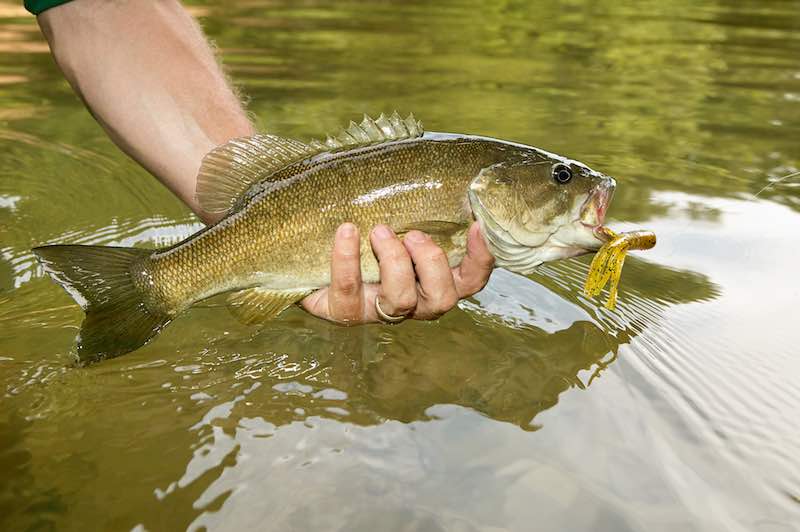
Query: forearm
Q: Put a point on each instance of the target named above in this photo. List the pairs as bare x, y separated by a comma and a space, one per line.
147, 74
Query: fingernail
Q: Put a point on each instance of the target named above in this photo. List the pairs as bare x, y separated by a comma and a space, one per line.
346, 230
382, 232
417, 236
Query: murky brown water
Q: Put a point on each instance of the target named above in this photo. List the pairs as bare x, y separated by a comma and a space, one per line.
530, 408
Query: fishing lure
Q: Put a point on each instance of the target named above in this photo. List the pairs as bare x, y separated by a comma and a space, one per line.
607, 263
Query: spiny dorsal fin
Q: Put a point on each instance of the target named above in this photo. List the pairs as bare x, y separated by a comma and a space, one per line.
231, 169
370, 131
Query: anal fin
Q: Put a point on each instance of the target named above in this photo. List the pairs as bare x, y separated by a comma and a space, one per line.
259, 305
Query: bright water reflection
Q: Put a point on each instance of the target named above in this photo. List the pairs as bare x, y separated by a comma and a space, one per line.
530, 408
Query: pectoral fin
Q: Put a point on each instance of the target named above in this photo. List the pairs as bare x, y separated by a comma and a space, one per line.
432, 227
259, 305
445, 234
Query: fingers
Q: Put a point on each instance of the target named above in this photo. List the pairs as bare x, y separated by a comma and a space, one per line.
473, 273
345, 295
437, 289
398, 288
416, 279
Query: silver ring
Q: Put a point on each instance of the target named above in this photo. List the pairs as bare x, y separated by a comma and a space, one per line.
386, 317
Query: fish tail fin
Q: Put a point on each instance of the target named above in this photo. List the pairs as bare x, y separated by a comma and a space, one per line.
100, 280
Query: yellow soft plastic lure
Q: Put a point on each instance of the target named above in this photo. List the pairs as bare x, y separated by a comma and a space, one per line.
607, 263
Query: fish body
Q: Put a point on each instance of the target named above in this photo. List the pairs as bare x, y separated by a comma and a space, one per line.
281, 237
283, 200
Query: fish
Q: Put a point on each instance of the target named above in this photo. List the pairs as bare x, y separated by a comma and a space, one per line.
281, 200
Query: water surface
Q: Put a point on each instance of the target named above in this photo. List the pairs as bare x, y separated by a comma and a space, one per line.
530, 407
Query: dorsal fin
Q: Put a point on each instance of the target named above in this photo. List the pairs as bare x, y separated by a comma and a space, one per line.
231, 169
370, 131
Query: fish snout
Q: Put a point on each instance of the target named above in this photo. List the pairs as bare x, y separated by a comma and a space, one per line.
593, 212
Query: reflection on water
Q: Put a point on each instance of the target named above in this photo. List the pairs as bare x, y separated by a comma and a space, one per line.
531, 406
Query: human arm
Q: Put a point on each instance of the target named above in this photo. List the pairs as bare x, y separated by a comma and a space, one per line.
147, 74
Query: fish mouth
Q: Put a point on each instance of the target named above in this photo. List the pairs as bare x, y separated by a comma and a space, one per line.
593, 211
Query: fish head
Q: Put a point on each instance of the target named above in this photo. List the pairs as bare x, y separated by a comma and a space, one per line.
537, 207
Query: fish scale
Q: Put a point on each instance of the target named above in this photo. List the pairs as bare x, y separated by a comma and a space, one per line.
282, 201
398, 184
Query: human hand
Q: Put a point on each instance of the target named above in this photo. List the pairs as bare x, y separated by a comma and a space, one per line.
416, 279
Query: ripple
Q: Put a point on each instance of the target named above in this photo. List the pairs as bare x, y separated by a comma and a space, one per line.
530, 404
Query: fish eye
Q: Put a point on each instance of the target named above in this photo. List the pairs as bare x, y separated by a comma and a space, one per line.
562, 173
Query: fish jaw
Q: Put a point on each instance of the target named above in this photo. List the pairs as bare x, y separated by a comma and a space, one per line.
583, 235
593, 212
580, 233
569, 240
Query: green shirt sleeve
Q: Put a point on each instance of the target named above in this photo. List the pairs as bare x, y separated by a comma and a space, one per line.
37, 6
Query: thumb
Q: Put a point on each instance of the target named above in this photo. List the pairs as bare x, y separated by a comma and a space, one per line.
473, 273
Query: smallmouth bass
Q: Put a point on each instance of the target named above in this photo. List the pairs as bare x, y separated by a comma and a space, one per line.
283, 200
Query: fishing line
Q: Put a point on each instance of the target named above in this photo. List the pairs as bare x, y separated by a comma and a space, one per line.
773, 183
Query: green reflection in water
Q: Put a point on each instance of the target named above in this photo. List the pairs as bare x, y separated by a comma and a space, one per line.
529, 405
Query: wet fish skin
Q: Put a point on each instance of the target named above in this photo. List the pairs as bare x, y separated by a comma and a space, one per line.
283, 238
273, 246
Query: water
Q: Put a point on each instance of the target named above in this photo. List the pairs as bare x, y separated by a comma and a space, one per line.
530, 407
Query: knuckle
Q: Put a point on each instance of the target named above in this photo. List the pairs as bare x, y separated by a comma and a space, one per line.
345, 254
447, 302
346, 250
442, 304
396, 254
347, 285
432, 314
404, 302
435, 254
473, 286
451, 300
